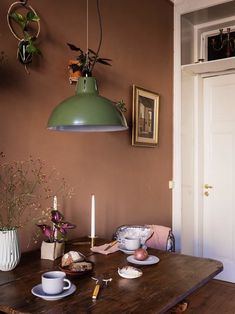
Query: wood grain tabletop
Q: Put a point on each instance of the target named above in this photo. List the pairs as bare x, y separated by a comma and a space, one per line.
161, 286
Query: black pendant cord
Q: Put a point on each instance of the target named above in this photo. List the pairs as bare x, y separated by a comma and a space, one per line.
101, 35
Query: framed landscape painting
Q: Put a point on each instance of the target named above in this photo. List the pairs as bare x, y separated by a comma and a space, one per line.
145, 111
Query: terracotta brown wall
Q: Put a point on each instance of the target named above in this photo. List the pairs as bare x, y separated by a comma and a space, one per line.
130, 183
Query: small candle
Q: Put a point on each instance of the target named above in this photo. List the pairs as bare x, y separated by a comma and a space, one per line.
55, 208
92, 216
55, 203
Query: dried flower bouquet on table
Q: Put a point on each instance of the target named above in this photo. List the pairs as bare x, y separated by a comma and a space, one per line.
26, 189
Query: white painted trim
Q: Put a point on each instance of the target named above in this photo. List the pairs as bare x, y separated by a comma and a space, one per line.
198, 164
205, 75
181, 7
176, 195
187, 6
215, 22
195, 45
195, 165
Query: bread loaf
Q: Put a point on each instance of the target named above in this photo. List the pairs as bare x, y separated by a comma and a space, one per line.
71, 257
80, 266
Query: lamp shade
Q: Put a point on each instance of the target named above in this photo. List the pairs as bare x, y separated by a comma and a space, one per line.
87, 111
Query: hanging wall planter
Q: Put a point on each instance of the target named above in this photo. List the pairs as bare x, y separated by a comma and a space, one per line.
26, 19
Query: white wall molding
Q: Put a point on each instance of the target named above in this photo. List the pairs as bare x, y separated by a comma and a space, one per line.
182, 7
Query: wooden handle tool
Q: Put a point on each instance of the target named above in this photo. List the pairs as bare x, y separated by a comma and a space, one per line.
96, 291
110, 245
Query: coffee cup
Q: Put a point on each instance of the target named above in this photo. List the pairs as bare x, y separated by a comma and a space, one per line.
132, 243
53, 282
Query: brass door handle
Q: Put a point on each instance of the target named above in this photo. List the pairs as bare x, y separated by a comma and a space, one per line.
207, 186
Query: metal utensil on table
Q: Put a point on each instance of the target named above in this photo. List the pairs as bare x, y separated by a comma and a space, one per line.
111, 244
99, 282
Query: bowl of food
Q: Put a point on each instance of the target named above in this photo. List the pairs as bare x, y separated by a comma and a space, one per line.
74, 263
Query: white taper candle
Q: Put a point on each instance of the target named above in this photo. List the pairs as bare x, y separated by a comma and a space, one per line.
55, 203
55, 208
92, 216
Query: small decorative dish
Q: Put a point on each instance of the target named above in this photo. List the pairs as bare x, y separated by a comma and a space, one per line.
148, 261
129, 272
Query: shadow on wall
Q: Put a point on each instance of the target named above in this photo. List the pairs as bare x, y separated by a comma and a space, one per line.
9, 72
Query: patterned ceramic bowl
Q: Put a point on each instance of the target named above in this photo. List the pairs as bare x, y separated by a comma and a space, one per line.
133, 231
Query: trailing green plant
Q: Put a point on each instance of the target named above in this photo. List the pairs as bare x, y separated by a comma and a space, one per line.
86, 61
27, 47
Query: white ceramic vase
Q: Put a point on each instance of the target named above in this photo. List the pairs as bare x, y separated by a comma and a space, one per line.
9, 250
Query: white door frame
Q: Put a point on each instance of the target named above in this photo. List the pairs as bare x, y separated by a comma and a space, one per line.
182, 7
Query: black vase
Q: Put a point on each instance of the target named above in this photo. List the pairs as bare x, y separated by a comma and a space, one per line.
24, 56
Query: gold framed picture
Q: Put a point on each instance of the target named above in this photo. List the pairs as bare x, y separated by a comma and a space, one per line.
145, 111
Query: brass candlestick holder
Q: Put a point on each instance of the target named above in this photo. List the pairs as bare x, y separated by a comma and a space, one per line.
92, 242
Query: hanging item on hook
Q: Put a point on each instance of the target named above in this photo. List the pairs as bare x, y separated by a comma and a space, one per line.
87, 111
26, 17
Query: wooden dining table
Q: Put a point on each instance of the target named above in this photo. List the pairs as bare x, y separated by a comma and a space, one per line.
161, 286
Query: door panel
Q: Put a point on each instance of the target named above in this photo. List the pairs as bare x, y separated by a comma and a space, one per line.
219, 172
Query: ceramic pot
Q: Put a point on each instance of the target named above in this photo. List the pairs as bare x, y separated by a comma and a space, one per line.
9, 250
52, 250
74, 73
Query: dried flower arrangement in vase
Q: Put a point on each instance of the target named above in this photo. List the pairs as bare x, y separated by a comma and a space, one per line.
25, 188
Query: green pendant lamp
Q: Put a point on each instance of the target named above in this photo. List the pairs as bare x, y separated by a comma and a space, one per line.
87, 111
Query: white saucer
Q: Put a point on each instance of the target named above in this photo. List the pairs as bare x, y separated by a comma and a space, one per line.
149, 261
129, 272
124, 250
37, 290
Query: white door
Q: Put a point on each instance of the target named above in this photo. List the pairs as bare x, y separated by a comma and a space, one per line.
219, 172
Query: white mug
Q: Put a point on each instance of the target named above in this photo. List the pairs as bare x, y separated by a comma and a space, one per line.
53, 282
131, 243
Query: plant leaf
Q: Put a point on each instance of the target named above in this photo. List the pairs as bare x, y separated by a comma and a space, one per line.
56, 216
20, 19
32, 17
92, 51
103, 61
32, 49
46, 230
106, 59
27, 36
72, 47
